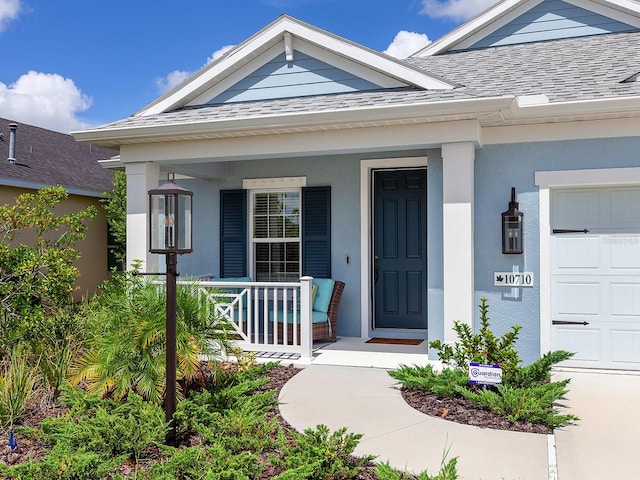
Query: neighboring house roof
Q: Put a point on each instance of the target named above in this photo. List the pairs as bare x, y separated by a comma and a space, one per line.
590, 76
53, 158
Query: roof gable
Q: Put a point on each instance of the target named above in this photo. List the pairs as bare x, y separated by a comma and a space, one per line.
513, 22
315, 61
302, 75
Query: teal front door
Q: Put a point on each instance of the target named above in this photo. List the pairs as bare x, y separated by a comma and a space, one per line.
400, 249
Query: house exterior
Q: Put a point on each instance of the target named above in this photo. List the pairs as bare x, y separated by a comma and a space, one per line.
309, 154
46, 158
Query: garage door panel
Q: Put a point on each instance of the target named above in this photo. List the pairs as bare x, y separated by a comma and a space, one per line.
578, 298
577, 207
584, 342
625, 299
624, 251
625, 346
624, 206
577, 253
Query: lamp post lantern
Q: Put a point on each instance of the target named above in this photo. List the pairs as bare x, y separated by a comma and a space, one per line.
170, 233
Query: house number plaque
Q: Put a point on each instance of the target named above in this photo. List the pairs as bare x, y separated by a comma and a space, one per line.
513, 279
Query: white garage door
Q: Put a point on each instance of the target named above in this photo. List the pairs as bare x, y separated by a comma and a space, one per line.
595, 284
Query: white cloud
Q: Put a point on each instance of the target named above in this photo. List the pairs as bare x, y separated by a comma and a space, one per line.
44, 99
456, 10
174, 78
9, 10
220, 52
171, 80
406, 43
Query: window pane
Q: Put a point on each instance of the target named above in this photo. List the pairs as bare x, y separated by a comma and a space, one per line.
260, 204
293, 252
275, 206
292, 227
260, 227
275, 227
277, 252
276, 215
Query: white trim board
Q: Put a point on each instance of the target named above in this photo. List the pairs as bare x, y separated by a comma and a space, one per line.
547, 180
366, 226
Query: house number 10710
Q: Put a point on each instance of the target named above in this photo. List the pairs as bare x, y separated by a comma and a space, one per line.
513, 279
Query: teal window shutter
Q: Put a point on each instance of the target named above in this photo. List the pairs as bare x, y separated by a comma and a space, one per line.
233, 233
316, 232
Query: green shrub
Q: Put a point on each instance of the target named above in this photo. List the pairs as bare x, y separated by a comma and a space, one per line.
537, 372
233, 415
444, 384
107, 428
210, 462
317, 454
482, 347
37, 255
527, 393
530, 404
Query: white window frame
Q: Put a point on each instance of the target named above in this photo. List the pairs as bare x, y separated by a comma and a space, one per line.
252, 240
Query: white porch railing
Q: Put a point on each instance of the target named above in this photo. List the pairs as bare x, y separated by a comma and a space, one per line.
265, 315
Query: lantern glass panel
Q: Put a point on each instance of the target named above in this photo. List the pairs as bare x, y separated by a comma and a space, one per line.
184, 225
512, 234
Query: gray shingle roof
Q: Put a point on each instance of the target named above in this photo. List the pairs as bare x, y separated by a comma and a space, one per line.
569, 69
582, 68
55, 159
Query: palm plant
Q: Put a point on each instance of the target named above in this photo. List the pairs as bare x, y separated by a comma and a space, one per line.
127, 350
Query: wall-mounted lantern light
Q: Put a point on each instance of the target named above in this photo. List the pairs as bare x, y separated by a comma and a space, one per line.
512, 227
170, 233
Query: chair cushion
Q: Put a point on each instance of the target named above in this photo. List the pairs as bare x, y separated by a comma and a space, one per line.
323, 297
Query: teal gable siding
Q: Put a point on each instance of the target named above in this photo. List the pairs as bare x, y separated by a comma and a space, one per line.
303, 76
550, 20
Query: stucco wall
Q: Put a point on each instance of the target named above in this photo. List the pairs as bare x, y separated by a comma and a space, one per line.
497, 169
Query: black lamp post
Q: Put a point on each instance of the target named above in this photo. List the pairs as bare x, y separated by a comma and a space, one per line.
170, 233
512, 227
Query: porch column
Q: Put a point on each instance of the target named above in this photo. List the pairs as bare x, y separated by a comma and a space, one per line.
457, 197
141, 177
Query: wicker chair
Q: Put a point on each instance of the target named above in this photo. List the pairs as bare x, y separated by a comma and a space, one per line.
323, 330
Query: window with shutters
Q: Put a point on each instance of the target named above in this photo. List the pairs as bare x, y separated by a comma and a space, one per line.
275, 235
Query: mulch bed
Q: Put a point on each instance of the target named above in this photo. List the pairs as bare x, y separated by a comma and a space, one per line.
463, 411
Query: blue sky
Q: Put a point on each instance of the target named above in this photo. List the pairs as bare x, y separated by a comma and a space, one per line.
72, 64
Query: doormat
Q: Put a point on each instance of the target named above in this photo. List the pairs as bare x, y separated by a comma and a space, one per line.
396, 341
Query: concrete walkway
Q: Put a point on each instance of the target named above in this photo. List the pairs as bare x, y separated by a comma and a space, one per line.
367, 400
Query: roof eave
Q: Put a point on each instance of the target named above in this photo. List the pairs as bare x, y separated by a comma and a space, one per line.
266, 124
